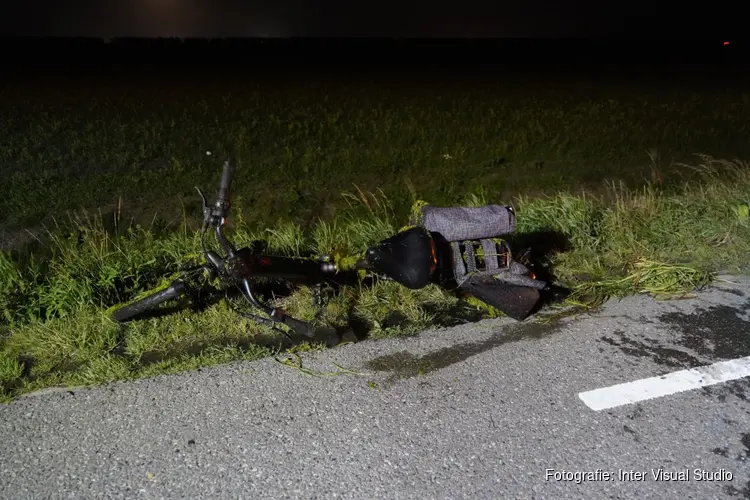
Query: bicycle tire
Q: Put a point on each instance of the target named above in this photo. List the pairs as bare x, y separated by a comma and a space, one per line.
148, 303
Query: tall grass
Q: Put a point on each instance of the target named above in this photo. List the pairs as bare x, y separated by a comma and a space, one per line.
650, 240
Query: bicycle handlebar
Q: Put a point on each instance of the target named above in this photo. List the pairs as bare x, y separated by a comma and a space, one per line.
217, 214
226, 182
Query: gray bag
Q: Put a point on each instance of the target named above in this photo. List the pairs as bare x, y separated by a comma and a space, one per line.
468, 227
468, 223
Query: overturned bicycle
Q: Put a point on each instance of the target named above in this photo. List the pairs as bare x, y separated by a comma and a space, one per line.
458, 248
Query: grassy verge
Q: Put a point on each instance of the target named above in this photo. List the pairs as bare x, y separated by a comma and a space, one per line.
659, 240
140, 149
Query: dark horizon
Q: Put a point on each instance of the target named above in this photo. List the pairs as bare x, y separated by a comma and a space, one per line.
481, 31
388, 18
33, 51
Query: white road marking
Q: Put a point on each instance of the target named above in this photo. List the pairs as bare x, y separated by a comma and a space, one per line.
664, 385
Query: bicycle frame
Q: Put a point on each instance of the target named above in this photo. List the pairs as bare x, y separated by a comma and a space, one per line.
238, 266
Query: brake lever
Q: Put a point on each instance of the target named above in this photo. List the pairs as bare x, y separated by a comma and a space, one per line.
206, 209
205, 202
212, 215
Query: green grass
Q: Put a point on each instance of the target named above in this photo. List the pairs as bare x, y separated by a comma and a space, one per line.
301, 143
656, 226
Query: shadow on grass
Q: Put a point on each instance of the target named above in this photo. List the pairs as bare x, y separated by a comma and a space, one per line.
537, 248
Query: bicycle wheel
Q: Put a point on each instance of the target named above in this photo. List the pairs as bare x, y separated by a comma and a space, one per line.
149, 303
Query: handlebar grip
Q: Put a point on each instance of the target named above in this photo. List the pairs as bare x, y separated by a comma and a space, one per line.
226, 181
300, 327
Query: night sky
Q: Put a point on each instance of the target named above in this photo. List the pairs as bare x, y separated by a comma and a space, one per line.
382, 18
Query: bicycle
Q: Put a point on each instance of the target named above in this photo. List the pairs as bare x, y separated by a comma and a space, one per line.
414, 258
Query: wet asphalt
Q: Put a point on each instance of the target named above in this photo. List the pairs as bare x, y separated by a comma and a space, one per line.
484, 410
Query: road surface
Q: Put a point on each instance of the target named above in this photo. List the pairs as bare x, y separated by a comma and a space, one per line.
641, 399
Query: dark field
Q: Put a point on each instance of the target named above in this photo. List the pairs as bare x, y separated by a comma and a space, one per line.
101, 161
89, 136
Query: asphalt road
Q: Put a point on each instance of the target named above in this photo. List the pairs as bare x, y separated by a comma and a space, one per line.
488, 410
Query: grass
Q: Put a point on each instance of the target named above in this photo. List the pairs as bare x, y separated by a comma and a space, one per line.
657, 226
300, 144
